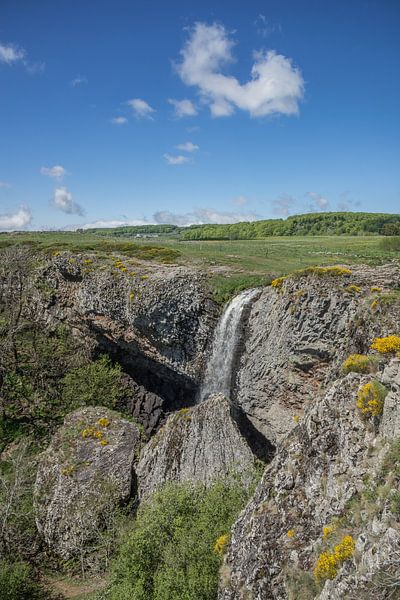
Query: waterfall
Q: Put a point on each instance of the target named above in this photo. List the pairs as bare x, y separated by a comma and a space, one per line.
218, 375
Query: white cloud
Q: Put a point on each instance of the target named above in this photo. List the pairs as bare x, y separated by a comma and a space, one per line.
202, 216
264, 27
79, 80
56, 172
5, 185
104, 223
17, 220
275, 86
183, 108
318, 202
119, 120
178, 159
63, 200
11, 54
141, 109
282, 206
188, 147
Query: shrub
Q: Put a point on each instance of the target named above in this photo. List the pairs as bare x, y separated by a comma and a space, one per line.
17, 582
353, 289
171, 551
328, 563
99, 383
387, 344
277, 283
371, 398
221, 544
358, 363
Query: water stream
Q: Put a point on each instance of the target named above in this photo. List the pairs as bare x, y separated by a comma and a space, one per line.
219, 371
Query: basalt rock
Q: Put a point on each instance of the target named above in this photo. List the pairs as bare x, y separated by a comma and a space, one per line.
299, 334
196, 444
329, 471
82, 477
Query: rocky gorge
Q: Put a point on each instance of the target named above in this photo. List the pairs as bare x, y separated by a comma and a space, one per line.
330, 470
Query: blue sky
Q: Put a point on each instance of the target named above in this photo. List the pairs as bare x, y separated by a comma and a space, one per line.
289, 106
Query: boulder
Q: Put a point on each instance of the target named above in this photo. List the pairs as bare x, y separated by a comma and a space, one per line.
84, 474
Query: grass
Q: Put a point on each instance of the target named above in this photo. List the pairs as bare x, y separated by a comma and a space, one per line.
270, 257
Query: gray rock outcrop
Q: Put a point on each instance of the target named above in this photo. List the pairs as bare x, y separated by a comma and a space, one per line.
83, 475
299, 334
196, 444
329, 471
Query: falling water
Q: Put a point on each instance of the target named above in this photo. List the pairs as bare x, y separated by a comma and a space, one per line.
218, 375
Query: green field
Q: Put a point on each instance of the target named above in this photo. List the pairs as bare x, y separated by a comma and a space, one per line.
233, 265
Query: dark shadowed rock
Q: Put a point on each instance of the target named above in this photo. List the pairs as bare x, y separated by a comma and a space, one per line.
83, 475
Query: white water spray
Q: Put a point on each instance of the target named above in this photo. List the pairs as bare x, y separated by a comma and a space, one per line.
218, 375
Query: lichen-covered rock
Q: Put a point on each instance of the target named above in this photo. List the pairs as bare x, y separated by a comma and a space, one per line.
83, 475
299, 334
327, 471
196, 444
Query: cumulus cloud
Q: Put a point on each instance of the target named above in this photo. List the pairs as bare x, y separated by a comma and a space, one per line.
178, 159
56, 172
275, 87
79, 80
5, 184
141, 109
188, 147
63, 200
202, 216
11, 54
282, 206
119, 120
183, 108
318, 202
17, 220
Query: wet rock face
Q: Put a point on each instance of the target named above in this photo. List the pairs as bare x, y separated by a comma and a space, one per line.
84, 474
298, 336
328, 460
196, 444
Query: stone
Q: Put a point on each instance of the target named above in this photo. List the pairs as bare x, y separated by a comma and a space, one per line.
86, 472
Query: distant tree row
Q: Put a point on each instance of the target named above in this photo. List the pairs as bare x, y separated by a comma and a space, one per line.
333, 223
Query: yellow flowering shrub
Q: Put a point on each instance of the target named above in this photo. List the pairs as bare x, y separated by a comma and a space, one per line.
104, 442
385, 345
103, 422
353, 289
345, 549
68, 471
328, 562
221, 544
358, 363
376, 289
296, 418
374, 303
327, 531
131, 296
291, 533
371, 398
277, 283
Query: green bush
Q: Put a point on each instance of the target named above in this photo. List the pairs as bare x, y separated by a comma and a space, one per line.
17, 583
98, 383
170, 552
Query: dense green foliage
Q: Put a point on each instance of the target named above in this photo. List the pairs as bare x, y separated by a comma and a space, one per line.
170, 553
225, 288
336, 223
17, 582
99, 383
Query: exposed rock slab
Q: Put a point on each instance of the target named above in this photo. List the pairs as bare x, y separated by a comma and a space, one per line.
196, 444
320, 466
299, 334
86, 471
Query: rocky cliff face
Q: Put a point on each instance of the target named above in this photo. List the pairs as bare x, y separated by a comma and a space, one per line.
197, 444
155, 320
299, 334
